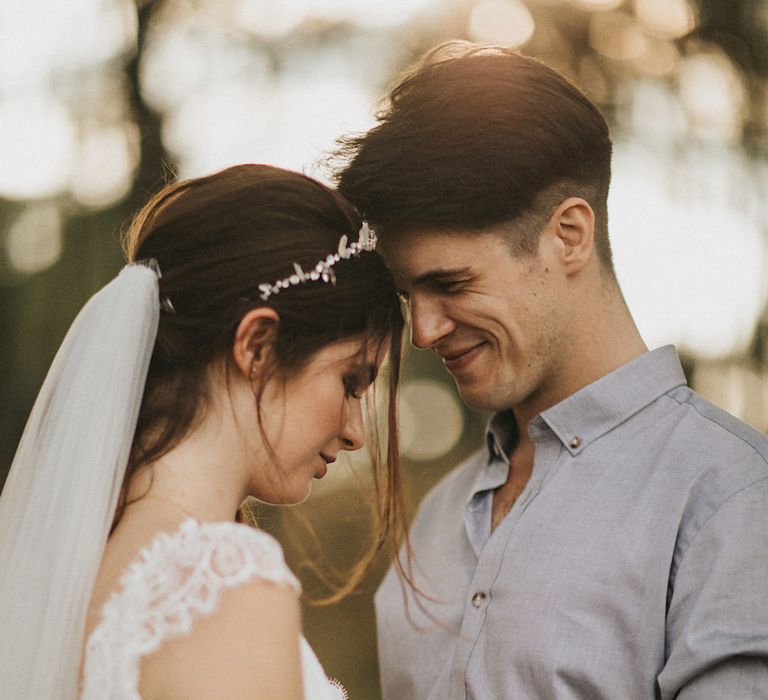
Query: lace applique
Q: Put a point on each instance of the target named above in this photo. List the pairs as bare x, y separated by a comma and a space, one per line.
175, 580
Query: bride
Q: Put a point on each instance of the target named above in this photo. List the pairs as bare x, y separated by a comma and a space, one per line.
228, 359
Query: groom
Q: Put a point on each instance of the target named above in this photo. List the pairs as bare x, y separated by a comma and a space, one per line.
610, 539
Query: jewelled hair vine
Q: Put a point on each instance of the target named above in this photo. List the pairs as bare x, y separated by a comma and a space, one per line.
324, 269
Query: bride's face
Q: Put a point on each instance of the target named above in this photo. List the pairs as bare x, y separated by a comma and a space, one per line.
310, 418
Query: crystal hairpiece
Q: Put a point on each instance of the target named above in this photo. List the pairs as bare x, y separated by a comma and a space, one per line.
324, 269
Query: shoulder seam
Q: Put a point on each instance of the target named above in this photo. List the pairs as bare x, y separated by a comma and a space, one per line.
716, 510
763, 457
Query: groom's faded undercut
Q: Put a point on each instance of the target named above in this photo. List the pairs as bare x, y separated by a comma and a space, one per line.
474, 137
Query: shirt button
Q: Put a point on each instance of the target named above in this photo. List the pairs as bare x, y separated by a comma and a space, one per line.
478, 599
575, 442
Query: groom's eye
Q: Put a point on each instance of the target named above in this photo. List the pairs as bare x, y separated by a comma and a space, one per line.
451, 286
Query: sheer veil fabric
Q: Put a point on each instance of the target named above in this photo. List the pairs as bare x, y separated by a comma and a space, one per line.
59, 500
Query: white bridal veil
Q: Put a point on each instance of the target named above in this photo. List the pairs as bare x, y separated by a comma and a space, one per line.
60, 497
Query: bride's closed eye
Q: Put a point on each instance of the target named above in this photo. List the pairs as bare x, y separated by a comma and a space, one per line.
353, 386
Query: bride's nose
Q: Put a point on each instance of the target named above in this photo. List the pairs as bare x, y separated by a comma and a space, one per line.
353, 434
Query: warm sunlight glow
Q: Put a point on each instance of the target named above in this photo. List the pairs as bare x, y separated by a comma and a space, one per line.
616, 35
666, 19
183, 57
656, 114
680, 244
379, 13
714, 96
34, 239
740, 388
597, 5
41, 39
105, 162
37, 139
270, 18
292, 124
431, 419
659, 59
507, 22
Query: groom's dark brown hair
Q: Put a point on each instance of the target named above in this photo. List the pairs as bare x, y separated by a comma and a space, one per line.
474, 137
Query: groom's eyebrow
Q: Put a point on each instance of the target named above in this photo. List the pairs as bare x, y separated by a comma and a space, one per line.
440, 274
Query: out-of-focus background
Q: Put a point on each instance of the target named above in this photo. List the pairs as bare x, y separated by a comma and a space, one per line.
103, 100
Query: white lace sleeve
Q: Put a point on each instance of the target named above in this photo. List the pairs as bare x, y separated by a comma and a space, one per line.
176, 579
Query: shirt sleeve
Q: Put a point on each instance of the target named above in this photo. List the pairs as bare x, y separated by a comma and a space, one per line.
717, 621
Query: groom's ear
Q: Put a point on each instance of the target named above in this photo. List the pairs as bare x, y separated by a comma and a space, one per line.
574, 230
254, 342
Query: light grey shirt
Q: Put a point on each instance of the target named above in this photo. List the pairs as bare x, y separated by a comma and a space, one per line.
634, 564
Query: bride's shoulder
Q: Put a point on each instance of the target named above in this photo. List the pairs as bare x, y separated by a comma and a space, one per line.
207, 604
224, 552
246, 628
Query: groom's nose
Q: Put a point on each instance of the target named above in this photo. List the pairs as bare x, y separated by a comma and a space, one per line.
429, 323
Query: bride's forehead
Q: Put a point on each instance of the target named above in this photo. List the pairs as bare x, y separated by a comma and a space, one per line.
348, 352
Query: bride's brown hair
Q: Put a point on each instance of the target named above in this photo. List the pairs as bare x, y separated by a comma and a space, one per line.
216, 238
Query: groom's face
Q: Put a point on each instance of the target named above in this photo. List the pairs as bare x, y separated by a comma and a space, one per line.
496, 319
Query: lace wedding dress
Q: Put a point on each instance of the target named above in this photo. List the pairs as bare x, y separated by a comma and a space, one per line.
175, 581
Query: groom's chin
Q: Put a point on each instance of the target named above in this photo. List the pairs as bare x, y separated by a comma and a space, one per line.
479, 397
474, 396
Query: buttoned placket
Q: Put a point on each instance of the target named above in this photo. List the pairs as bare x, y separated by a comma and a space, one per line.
491, 552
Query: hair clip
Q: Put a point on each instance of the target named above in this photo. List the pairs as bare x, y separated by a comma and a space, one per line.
152, 264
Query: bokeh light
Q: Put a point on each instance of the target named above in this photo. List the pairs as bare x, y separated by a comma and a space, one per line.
40, 40
677, 257
659, 59
617, 35
269, 18
37, 142
655, 114
33, 242
431, 419
666, 19
597, 5
184, 55
371, 15
713, 94
104, 165
742, 387
507, 22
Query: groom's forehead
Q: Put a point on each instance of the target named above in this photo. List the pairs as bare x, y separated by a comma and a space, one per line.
426, 247
430, 254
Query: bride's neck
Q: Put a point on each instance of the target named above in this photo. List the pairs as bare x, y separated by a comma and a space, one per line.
203, 476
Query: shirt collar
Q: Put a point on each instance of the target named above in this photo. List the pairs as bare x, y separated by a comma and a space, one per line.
598, 407
501, 435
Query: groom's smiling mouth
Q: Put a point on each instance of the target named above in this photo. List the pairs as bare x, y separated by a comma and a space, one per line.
458, 359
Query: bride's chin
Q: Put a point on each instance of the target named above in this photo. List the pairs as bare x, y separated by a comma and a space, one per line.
294, 498
301, 498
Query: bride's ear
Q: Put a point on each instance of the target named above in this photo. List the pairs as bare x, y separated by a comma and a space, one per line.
254, 341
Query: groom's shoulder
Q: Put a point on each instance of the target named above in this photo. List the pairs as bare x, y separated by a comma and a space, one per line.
714, 431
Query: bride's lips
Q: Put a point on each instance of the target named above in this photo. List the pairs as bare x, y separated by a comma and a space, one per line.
459, 359
323, 470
